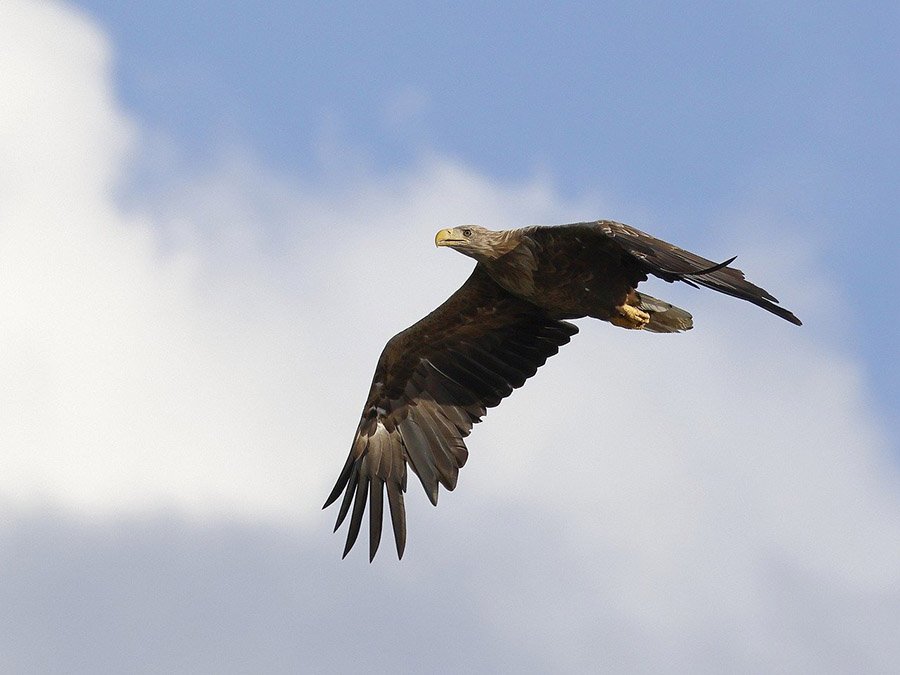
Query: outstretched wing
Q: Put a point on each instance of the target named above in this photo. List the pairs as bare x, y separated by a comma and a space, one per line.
669, 262
432, 383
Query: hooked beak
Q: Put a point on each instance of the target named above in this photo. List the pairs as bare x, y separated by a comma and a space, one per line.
445, 238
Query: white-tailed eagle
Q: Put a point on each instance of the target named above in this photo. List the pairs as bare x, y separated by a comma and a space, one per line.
438, 377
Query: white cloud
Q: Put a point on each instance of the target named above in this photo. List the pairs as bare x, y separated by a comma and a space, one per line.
723, 497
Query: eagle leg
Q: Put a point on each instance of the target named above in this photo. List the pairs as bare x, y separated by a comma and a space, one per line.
626, 316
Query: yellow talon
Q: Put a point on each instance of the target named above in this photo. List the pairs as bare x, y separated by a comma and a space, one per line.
629, 317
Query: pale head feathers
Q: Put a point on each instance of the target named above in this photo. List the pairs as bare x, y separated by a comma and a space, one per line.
478, 242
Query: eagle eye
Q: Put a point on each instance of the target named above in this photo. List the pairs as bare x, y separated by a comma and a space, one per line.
467, 232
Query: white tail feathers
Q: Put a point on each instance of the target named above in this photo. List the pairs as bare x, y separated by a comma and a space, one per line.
664, 317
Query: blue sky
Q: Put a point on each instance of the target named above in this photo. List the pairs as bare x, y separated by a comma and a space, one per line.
683, 108
213, 216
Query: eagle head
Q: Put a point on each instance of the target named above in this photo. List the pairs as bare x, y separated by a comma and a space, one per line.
474, 241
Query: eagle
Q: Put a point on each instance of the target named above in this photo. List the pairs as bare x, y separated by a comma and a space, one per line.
438, 377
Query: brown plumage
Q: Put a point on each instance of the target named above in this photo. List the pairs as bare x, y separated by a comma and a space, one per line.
438, 377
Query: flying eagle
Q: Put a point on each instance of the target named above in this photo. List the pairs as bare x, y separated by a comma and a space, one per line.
438, 377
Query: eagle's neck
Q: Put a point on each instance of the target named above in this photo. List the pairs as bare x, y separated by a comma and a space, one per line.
493, 245
513, 262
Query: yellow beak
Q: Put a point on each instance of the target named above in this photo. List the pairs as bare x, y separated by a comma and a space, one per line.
443, 237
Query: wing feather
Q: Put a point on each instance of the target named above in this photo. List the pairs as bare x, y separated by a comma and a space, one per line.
359, 506
444, 459
420, 456
376, 514
398, 516
348, 496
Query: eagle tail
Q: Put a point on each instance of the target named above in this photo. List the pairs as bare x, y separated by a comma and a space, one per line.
664, 317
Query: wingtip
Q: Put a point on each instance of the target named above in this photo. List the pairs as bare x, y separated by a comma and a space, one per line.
332, 498
351, 540
785, 314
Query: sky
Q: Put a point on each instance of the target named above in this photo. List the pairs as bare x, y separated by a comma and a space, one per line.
213, 216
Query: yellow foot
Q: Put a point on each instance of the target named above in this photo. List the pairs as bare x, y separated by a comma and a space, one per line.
629, 317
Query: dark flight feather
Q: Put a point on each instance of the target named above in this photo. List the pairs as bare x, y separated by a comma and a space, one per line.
376, 507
